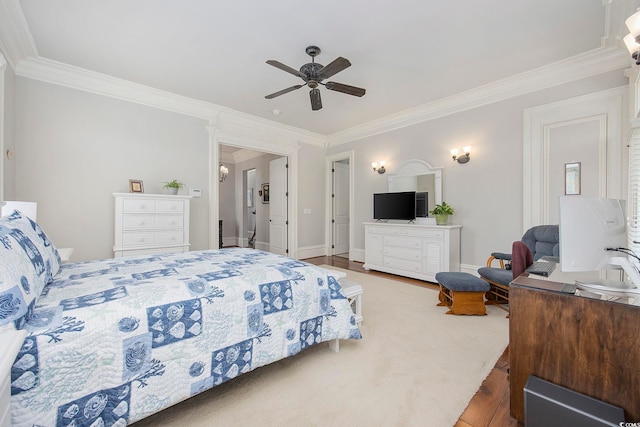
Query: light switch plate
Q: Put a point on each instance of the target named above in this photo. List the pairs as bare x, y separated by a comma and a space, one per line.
195, 192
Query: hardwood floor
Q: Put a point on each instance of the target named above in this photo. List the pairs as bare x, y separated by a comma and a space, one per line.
490, 405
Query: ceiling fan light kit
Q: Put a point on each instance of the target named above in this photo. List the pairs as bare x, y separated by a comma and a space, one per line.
313, 75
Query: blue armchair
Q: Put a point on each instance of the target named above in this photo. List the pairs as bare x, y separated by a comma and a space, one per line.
542, 240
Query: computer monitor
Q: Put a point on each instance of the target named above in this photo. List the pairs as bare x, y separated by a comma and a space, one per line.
592, 230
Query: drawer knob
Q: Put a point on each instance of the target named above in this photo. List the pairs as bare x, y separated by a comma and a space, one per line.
142, 206
172, 223
140, 239
140, 222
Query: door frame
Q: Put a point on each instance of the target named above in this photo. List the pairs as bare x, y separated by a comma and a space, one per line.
345, 155
216, 138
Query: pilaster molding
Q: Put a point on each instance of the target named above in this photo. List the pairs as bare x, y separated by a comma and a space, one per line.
608, 108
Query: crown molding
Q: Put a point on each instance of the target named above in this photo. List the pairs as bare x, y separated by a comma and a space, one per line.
66, 75
581, 66
594, 62
15, 38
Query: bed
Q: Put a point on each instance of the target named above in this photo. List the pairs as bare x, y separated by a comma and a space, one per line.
109, 342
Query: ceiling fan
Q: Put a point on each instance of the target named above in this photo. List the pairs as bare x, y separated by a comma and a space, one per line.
313, 74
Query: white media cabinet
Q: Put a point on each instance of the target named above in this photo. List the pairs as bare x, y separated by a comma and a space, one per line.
412, 250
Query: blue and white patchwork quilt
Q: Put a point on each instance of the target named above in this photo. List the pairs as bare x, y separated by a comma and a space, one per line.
113, 341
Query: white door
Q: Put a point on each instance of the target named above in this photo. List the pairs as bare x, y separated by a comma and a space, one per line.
278, 201
340, 208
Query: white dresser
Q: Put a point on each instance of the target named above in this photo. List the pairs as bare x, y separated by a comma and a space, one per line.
412, 250
150, 223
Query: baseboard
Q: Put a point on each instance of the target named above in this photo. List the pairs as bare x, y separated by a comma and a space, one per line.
311, 251
229, 241
356, 255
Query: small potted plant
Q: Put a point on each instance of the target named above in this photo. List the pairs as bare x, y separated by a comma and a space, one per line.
442, 212
173, 186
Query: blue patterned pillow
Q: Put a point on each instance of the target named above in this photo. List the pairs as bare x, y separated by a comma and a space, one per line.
28, 261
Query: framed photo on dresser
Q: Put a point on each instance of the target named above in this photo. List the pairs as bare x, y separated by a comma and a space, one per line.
136, 186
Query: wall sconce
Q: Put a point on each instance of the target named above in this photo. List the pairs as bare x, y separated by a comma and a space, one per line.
632, 40
463, 158
380, 169
224, 172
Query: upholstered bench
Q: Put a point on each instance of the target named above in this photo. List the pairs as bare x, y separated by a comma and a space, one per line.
353, 292
463, 293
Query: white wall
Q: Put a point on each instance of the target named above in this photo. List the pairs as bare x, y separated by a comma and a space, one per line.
74, 149
7, 181
487, 191
311, 179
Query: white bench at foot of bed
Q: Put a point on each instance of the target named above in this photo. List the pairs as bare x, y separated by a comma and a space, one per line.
13, 340
353, 292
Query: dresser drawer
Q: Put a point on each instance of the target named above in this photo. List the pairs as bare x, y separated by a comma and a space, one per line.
169, 237
137, 205
138, 221
169, 221
403, 264
169, 206
404, 253
138, 239
403, 241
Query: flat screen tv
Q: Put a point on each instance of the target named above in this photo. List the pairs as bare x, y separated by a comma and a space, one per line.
401, 206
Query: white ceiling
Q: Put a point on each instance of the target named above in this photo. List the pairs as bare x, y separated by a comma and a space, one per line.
406, 53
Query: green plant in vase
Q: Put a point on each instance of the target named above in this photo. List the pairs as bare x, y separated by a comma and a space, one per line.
173, 186
442, 212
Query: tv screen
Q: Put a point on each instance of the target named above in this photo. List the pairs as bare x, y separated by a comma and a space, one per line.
400, 205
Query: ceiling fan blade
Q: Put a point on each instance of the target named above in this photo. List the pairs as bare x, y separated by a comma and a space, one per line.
349, 90
316, 101
334, 67
286, 68
283, 91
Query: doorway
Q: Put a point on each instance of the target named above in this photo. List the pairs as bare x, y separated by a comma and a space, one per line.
246, 212
339, 204
340, 208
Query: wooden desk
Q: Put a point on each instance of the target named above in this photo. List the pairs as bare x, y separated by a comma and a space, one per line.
587, 345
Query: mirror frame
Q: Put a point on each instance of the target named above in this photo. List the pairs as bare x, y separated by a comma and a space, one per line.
415, 167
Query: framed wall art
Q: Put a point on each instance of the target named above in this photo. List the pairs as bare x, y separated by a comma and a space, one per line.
572, 178
136, 186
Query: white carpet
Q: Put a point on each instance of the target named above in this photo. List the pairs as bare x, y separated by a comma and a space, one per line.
415, 366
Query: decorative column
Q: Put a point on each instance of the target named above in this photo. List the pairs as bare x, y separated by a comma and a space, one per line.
214, 194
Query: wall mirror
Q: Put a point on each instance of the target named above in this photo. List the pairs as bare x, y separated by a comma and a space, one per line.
418, 175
